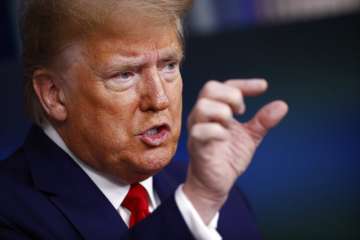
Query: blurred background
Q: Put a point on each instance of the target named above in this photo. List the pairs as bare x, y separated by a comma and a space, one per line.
304, 182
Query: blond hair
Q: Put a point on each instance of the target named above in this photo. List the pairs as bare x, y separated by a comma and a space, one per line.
47, 26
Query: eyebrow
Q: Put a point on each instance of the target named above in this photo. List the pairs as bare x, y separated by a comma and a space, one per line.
164, 54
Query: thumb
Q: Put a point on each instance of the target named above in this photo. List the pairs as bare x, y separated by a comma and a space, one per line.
266, 118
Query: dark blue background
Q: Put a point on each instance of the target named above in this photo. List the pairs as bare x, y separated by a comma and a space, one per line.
304, 182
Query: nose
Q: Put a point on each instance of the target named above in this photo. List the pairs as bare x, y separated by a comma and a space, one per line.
154, 96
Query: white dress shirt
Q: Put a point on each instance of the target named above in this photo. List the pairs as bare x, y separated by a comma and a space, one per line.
115, 192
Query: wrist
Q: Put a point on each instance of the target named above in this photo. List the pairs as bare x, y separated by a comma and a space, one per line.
206, 202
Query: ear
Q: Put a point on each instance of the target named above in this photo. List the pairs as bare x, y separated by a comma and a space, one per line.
50, 95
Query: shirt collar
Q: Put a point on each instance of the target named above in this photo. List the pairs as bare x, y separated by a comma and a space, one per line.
115, 192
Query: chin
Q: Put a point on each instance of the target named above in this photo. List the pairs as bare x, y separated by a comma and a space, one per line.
154, 160
140, 165
144, 171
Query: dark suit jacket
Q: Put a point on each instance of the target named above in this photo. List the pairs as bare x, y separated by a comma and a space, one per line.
46, 195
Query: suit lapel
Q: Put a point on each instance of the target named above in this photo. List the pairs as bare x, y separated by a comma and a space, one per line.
165, 184
71, 190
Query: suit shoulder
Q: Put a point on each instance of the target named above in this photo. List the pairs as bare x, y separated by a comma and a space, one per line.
15, 166
14, 177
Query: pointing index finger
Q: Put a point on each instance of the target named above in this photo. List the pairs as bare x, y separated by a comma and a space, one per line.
249, 87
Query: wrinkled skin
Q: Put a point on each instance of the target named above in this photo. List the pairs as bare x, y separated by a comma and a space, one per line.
220, 147
108, 88
116, 87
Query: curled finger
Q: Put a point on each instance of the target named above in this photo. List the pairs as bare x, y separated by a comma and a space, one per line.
205, 132
224, 93
207, 110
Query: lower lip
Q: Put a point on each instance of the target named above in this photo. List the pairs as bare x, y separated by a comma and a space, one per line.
156, 139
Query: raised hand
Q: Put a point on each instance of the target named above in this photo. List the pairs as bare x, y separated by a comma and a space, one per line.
220, 147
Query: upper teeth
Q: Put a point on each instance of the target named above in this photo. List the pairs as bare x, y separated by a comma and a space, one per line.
152, 131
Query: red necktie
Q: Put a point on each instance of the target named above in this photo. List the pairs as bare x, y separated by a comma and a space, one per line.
137, 202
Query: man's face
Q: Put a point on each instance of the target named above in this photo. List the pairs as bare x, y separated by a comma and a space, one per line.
123, 96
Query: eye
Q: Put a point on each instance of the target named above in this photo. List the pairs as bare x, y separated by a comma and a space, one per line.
170, 66
125, 76
121, 80
122, 76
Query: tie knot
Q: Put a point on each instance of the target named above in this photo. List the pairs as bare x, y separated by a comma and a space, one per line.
137, 202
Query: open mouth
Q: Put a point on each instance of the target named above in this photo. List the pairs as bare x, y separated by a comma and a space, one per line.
156, 135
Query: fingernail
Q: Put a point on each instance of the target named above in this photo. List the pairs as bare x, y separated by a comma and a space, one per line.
257, 82
280, 107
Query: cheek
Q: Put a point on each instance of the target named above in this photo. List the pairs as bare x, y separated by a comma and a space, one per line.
107, 117
114, 120
175, 98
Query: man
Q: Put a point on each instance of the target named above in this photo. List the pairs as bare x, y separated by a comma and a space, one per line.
103, 85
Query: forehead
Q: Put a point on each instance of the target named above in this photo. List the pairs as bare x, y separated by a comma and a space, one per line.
140, 43
141, 37
112, 46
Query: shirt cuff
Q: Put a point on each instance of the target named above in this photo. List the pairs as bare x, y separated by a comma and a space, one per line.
197, 227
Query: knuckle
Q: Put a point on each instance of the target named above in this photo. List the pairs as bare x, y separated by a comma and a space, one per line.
226, 111
201, 105
226, 82
208, 131
235, 96
238, 96
229, 81
210, 86
215, 129
195, 131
